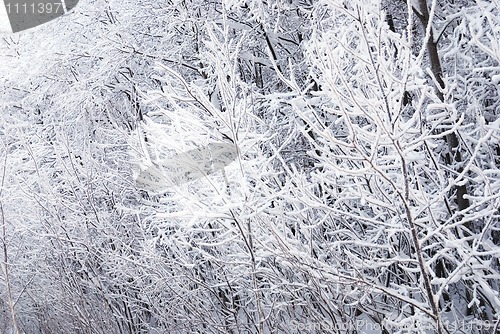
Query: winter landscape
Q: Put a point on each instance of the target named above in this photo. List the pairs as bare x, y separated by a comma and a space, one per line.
251, 166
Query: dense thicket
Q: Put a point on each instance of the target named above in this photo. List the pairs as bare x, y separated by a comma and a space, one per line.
361, 191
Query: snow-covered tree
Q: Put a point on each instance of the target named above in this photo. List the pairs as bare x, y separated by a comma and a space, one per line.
251, 167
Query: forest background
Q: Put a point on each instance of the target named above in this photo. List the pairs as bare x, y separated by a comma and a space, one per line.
363, 196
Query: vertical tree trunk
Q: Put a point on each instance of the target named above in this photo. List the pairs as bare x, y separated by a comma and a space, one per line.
454, 155
5, 265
